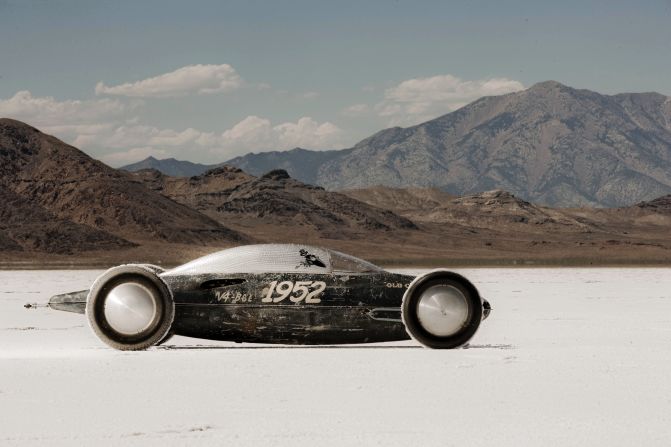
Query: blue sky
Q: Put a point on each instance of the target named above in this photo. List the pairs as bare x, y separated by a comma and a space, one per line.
207, 81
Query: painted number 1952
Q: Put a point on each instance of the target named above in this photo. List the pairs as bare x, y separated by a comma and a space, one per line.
297, 291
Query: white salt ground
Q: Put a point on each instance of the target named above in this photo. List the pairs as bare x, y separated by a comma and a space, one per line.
568, 357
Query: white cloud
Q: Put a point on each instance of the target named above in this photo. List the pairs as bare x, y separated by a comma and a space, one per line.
192, 79
248, 132
310, 95
356, 110
47, 111
103, 128
307, 133
254, 134
416, 100
133, 135
110, 129
75, 121
135, 142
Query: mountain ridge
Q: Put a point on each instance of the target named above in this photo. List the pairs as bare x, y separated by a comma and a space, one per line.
550, 144
71, 186
275, 200
170, 166
57, 201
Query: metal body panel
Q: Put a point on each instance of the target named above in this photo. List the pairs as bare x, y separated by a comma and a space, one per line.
351, 308
70, 302
280, 293
285, 324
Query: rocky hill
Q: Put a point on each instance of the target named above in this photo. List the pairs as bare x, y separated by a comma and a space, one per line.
659, 205
405, 201
550, 144
504, 213
498, 225
274, 201
495, 210
69, 186
26, 226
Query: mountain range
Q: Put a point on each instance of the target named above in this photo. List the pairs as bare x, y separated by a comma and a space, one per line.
59, 205
550, 144
170, 166
56, 200
275, 202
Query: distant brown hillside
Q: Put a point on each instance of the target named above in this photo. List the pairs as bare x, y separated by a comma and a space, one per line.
60, 207
275, 203
26, 226
496, 210
73, 187
497, 225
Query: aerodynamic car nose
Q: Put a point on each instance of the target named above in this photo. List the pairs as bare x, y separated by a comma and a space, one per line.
70, 302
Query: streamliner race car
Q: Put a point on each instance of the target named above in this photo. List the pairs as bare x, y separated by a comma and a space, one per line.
279, 293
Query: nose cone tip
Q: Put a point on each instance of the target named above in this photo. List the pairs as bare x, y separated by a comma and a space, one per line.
56, 299
69, 302
62, 299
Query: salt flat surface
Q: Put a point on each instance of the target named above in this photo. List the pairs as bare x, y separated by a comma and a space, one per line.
568, 357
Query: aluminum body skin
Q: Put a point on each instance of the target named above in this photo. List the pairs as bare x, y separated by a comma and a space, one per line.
282, 293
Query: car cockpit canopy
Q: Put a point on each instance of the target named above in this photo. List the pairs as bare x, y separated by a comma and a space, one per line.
275, 258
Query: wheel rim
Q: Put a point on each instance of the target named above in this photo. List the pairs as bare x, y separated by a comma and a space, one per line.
130, 308
442, 310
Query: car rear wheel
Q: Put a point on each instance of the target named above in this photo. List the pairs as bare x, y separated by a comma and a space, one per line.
130, 308
441, 310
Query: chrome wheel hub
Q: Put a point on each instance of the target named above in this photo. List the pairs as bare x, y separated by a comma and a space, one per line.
130, 308
442, 310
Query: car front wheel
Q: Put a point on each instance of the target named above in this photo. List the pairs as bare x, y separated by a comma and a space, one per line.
130, 308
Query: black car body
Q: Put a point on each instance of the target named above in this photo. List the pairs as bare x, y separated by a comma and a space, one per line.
274, 293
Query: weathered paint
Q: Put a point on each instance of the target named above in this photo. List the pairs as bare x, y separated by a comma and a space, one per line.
348, 310
353, 307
